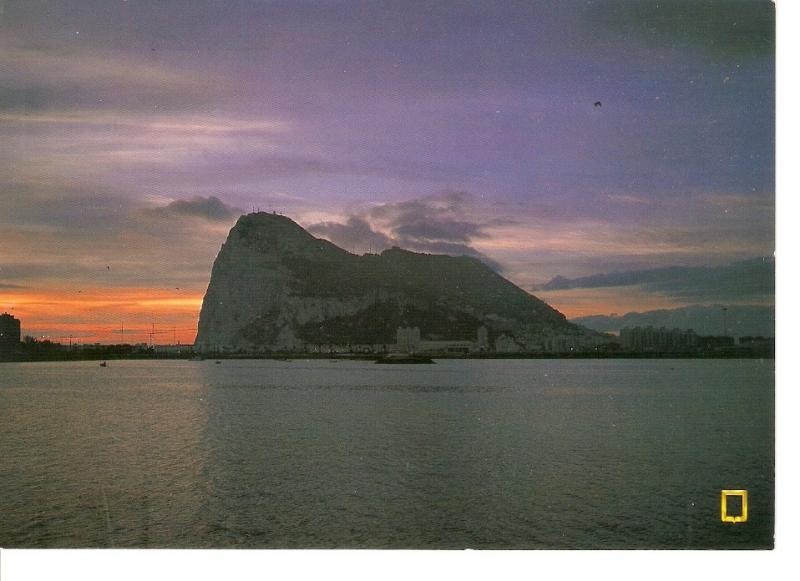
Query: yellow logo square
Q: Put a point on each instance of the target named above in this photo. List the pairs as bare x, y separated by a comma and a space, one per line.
724, 506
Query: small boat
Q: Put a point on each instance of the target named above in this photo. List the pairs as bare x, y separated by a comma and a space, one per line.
399, 358
217, 362
104, 364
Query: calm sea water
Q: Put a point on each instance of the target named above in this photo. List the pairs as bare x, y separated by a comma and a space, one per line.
493, 454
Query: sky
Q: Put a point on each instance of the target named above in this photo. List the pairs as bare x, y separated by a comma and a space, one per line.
590, 142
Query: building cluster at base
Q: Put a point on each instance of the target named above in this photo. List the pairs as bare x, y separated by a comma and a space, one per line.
411, 340
631, 340
662, 340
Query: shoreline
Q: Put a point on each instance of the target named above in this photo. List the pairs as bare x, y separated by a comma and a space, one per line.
371, 357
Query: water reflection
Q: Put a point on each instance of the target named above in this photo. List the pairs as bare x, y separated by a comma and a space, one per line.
317, 454
101, 457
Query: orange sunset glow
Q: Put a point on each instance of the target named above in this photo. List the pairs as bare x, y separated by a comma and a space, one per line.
97, 315
575, 303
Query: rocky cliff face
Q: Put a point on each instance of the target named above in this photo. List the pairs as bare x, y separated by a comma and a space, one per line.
274, 287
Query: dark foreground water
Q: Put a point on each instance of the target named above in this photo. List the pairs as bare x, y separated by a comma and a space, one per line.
519, 453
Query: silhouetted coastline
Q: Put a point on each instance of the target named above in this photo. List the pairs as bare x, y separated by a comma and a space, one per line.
46, 351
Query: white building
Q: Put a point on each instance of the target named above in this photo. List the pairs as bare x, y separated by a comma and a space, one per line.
506, 344
482, 344
451, 347
408, 339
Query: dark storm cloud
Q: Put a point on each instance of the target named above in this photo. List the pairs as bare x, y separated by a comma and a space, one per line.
210, 208
752, 279
435, 224
431, 218
355, 234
